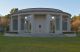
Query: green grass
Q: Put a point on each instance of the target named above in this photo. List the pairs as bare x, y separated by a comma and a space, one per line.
34, 44
78, 33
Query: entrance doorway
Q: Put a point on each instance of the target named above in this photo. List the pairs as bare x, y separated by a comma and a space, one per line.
40, 23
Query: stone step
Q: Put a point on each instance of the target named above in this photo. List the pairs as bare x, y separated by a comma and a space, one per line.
35, 35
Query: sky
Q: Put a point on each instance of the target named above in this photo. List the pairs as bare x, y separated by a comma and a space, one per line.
69, 6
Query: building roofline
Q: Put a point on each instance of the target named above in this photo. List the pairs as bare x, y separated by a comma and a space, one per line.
40, 10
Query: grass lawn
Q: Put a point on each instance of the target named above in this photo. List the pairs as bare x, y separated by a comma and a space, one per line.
33, 44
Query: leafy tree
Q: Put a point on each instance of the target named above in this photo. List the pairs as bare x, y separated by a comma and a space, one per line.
5, 21
13, 10
75, 23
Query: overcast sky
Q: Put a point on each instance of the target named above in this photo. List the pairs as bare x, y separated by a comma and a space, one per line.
70, 6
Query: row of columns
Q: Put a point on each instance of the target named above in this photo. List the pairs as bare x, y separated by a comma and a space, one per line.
56, 31
61, 24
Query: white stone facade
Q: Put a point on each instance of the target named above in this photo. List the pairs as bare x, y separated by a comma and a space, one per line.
40, 21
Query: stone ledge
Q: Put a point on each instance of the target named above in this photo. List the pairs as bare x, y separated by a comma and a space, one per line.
70, 35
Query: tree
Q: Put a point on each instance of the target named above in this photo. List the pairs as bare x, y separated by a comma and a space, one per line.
13, 10
5, 21
75, 23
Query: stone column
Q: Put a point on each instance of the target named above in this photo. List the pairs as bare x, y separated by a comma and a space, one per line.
60, 23
25, 24
56, 31
11, 24
32, 24
31, 20
19, 23
48, 17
